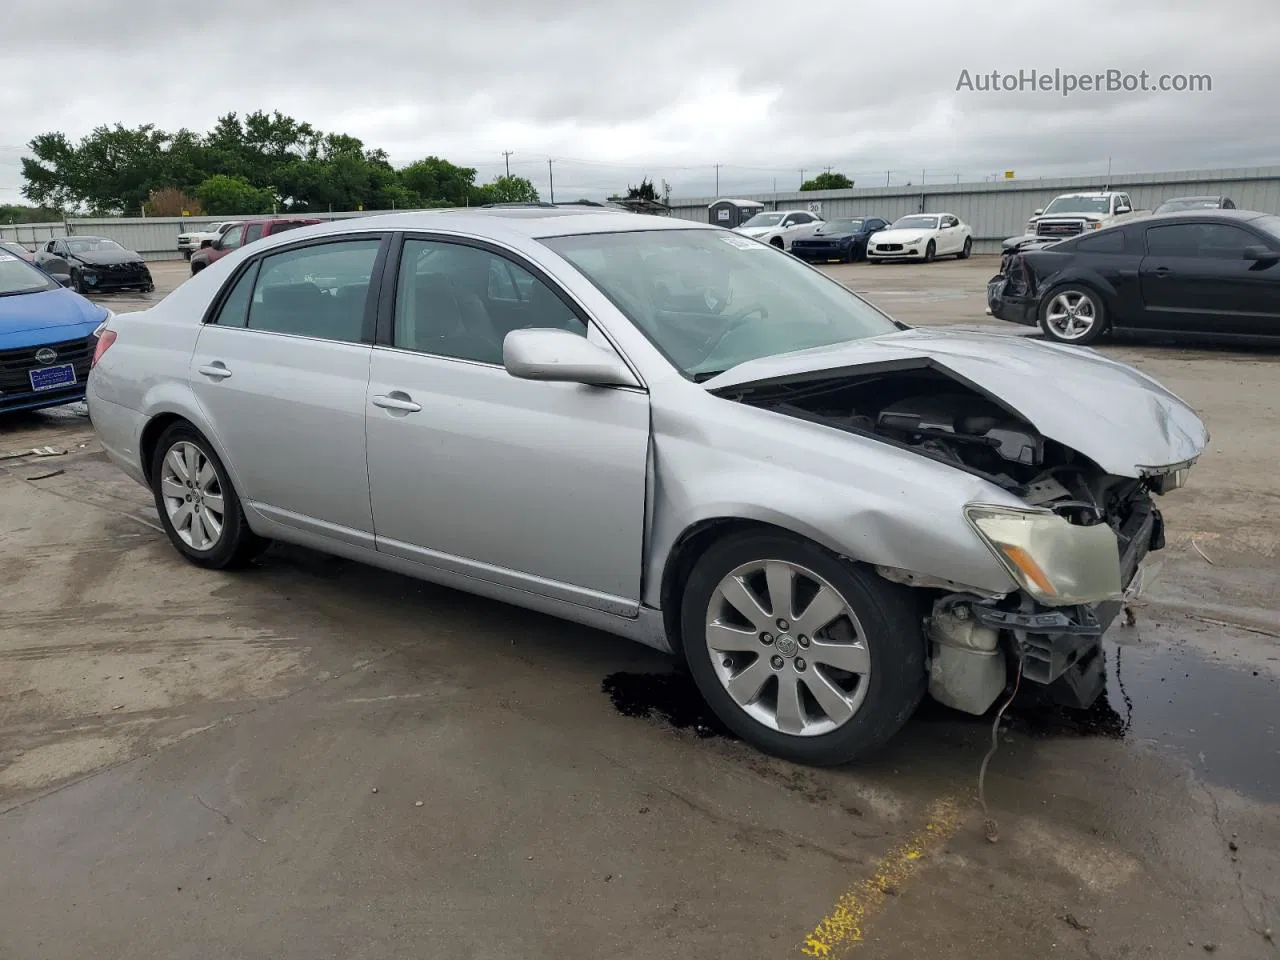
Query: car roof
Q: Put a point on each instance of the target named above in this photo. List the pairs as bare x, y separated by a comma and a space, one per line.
512, 222
1215, 214
1207, 196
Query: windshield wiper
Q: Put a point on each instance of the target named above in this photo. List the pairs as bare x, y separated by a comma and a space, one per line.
705, 375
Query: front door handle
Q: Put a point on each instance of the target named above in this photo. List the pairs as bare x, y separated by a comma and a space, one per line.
218, 370
1162, 271
397, 400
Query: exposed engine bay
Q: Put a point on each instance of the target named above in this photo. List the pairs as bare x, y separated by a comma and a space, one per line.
976, 640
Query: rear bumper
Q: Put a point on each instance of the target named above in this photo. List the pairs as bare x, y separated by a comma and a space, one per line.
1003, 306
119, 430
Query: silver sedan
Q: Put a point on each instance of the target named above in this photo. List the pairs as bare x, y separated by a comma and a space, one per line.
665, 430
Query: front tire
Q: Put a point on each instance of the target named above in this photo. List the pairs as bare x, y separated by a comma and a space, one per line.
1073, 313
966, 250
777, 242
803, 655
198, 506
78, 284
930, 252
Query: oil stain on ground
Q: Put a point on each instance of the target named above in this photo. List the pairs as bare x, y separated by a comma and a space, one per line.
669, 696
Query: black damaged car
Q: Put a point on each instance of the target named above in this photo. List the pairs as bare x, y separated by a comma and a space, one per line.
94, 265
844, 239
1201, 273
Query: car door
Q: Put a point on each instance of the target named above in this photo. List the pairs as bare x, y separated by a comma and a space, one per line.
281, 370
233, 239
54, 259
252, 232
1196, 277
533, 485
950, 236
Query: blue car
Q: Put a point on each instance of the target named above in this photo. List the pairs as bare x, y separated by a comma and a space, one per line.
844, 239
48, 336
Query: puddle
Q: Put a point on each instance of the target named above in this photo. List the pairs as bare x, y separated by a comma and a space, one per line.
1223, 720
671, 697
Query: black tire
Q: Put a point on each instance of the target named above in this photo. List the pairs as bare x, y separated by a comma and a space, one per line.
237, 544
77, 282
1101, 321
852, 256
149, 288
967, 250
196, 267
890, 618
930, 251
777, 242
186, 254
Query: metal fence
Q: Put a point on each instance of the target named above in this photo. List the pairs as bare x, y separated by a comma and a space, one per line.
156, 238
1000, 209
994, 210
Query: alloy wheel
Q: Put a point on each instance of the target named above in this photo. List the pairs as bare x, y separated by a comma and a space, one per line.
787, 648
192, 496
1071, 315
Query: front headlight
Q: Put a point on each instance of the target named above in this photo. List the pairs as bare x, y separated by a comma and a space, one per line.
97, 331
913, 240
1057, 562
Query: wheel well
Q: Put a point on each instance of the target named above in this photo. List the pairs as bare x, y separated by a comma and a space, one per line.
151, 436
687, 551
776, 241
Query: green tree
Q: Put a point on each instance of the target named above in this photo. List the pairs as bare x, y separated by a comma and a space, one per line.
505, 189
223, 196
827, 181
20, 213
438, 182
646, 191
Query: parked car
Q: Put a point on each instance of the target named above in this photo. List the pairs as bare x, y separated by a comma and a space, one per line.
16, 249
1071, 214
780, 227
823, 512
1207, 272
1177, 204
47, 338
236, 236
844, 239
921, 236
94, 265
190, 242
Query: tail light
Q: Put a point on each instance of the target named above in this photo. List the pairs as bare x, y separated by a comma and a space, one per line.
105, 339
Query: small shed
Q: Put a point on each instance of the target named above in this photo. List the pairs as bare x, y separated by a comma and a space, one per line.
732, 213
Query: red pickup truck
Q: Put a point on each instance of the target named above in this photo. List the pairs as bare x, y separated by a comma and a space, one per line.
239, 235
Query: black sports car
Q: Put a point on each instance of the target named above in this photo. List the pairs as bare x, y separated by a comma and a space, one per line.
1208, 273
94, 265
844, 239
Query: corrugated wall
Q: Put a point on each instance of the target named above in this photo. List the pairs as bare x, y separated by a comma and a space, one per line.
1000, 209
994, 210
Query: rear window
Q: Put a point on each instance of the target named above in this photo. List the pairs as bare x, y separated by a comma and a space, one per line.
284, 225
1110, 242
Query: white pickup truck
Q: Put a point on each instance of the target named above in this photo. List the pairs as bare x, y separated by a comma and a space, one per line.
189, 243
1073, 213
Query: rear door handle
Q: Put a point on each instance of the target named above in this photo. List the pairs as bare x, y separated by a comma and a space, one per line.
397, 400
218, 370
1162, 271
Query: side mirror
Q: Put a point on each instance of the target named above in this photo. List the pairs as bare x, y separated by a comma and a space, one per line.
1123, 209
1260, 252
1038, 211
65, 280
563, 357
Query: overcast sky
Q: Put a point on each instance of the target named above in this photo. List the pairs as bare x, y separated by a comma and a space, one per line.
667, 89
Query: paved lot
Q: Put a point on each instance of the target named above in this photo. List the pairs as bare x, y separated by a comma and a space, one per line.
314, 760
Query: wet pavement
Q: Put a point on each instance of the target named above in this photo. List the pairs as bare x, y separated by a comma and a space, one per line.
314, 759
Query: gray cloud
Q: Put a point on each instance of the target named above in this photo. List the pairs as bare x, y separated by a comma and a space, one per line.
615, 92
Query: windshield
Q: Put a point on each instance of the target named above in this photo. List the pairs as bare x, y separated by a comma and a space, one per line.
93, 245
18, 276
1079, 205
916, 223
764, 220
1189, 203
841, 226
710, 300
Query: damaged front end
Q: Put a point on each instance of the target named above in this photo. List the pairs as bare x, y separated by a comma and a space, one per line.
1071, 551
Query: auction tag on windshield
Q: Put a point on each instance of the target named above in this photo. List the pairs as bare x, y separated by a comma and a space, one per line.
742, 243
7, 256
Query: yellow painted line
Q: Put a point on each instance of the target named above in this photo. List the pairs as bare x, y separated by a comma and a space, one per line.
844, 925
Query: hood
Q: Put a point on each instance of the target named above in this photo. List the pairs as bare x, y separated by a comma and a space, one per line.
901, 236
107, 258
1086, 217
1111, 413
834, 235
30, 318
755, 231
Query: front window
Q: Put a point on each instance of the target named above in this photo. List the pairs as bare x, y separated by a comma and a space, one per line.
711, 300
1079, 205
1269, 223
764, 220
18, 276
93, 245
916, 223
841, 226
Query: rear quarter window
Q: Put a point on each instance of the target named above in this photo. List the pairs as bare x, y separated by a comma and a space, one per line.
1110, 242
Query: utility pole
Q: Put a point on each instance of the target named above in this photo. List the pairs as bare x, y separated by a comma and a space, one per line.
506, 156
802, 176
717, 180
552, 178
886, 177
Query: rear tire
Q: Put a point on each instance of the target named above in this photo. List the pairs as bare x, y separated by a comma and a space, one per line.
839, 714
198, 506
968, 249
1073, 313
196, 267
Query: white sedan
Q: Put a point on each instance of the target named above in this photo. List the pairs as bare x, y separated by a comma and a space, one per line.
780, 227
922, 236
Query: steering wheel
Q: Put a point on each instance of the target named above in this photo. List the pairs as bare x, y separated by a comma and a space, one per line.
733, 321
